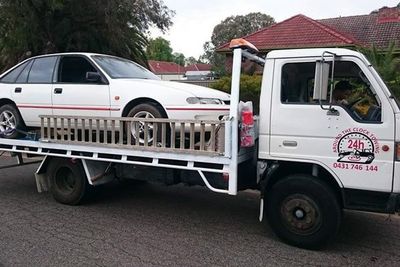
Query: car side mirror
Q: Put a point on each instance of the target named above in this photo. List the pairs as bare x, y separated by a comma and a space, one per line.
321, 80
93, 76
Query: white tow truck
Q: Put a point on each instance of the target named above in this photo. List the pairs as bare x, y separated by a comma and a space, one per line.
310, 153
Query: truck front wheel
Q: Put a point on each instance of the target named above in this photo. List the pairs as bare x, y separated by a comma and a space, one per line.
303, 211
67, 179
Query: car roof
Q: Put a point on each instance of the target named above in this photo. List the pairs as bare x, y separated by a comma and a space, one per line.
72, 54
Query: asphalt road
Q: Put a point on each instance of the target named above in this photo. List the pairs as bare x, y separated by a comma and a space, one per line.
152, 225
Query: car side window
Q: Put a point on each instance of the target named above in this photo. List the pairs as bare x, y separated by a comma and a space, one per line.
23, 76
73, 69
42, 70
12, 75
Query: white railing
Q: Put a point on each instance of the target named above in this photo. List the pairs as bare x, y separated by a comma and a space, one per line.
204, 137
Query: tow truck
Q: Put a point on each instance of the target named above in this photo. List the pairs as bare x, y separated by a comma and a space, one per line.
292, 153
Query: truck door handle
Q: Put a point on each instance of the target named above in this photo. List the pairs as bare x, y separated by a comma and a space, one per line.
289, 143
58, 91
18, 90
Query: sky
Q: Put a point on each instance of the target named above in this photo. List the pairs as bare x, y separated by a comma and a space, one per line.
194, 21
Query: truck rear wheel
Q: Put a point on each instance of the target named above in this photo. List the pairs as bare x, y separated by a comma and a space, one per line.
303, 211
67, 179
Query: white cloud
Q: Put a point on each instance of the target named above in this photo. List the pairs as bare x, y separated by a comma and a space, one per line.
194, 20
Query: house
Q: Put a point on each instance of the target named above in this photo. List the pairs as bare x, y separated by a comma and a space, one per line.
167, 70
378, 28
171, 71
199, 71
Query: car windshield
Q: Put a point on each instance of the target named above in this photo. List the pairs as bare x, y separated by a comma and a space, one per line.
119, 68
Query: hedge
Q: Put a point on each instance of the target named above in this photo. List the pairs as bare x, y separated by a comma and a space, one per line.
250, 88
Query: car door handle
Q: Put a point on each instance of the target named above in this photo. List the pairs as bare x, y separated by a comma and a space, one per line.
289, 143
18, 90
58, 91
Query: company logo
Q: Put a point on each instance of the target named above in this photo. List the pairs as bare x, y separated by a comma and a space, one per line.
356, 145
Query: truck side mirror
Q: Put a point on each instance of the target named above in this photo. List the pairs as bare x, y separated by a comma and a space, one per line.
321, 80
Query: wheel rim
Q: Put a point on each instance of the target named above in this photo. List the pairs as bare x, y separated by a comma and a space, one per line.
142, 127
301, 214
7, 122
65, 180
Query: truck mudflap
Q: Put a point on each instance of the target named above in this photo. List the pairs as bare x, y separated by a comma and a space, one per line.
264, 179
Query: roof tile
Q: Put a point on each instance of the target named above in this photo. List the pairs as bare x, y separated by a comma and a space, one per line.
163, 67
297, 31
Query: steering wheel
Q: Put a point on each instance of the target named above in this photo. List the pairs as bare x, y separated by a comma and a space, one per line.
374, 113
354, 102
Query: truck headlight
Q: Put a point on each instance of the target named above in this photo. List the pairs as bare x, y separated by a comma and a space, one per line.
200, 100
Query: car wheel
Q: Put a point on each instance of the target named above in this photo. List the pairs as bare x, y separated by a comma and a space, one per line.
303, 211
145, 111
10, 120
67, 179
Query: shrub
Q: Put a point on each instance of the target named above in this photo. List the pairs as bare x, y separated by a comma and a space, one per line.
250, 88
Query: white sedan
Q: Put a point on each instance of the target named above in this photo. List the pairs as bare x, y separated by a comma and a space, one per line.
88, 84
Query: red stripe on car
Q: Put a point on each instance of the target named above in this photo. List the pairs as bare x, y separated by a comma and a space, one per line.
71, 108
203, 109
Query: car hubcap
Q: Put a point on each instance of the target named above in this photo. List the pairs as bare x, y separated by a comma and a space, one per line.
301, 214
7, 122
142, 127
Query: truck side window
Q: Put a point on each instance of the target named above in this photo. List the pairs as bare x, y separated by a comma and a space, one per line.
352, 90
295, 82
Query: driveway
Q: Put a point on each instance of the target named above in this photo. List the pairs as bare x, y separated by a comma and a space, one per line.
153, 225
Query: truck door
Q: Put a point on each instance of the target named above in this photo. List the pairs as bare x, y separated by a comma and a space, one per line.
356, 143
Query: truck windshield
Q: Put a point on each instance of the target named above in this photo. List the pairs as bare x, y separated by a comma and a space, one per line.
119, 68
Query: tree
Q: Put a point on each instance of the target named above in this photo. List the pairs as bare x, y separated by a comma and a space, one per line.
191, 61
238, 26
230, 28
159, 49
32, 27
179, 59
386, 64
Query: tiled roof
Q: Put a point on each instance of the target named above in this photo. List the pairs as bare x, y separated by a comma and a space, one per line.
199, 67
163, 67
295, 32
379, 28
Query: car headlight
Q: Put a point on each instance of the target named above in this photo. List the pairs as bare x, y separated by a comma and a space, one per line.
200, 100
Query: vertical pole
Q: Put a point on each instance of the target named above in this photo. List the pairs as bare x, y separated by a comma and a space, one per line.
233, 116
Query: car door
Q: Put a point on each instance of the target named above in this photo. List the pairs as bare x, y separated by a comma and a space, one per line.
355, 145
73, 94
32, 89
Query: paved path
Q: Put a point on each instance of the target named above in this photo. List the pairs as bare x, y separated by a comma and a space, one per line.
152, 225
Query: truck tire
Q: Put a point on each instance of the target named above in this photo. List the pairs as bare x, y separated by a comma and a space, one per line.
10, 119
67, 179
303, 211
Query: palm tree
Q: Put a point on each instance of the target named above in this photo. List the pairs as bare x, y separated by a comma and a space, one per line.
387, 65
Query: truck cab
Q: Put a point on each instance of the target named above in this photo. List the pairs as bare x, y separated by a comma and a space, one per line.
312, 129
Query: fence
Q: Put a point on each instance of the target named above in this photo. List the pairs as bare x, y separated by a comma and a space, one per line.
204, 137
